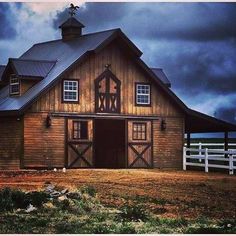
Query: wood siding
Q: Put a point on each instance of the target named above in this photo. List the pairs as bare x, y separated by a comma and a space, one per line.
10, 143
25, 85
168, 144
43, 147
125, 69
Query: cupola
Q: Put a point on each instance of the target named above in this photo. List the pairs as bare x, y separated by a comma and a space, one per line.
71, 28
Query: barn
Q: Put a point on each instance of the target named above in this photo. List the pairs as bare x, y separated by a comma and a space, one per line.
89, 101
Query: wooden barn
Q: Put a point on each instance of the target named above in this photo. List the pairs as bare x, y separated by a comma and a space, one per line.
89, 101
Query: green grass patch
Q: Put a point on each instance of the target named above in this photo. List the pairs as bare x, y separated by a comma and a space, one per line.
82, 213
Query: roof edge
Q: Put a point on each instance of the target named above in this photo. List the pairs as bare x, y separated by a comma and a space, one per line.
208, 117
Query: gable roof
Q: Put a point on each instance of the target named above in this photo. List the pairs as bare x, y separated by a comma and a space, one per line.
162, 76
65, 54
31, 68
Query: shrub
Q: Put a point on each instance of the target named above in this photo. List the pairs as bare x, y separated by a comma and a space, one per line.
37, 198
6, 203
90, 190
133, 213
12, 199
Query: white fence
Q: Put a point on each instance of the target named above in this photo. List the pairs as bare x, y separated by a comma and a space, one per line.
215, 146
215, 158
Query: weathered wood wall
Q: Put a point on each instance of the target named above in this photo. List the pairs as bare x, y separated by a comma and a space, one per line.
125, 69
168, 144
43, 147
11, 142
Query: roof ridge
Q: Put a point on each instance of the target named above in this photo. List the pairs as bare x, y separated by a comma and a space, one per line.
84, 35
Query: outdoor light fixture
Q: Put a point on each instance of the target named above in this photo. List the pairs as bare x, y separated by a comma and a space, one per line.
163, 124
48, 121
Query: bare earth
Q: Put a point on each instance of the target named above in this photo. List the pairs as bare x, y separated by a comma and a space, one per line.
189, 194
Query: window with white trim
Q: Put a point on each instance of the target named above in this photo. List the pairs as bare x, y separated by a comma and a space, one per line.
14, 85
70, 91
143, 94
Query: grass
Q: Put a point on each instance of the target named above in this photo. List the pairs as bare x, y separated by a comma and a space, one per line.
82, 213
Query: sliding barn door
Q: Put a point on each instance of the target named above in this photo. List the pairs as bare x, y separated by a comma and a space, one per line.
140, 144
79, 143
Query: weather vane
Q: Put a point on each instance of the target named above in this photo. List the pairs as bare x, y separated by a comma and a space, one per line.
73, 9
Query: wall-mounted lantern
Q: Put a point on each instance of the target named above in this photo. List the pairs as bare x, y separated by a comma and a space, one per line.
48, 121
163, 124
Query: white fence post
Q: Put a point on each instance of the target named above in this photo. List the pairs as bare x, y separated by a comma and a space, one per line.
231, 164
200, 151
184, 158
206, 159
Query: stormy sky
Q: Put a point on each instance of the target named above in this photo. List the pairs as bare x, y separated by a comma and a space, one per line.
195, 43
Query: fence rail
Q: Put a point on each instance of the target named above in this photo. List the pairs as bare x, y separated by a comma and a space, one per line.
212, 158
231, 146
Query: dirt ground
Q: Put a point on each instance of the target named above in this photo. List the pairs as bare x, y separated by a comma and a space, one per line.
189, 194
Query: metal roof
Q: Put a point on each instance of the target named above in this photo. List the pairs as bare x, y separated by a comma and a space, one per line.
2, 68
32, 68
162, 76
65, 53
71, 22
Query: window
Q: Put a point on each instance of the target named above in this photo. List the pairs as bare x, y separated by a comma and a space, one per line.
139, 131
70, 91
80, 129
143, 94
14, 86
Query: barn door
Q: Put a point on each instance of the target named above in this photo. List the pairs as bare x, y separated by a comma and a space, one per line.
79, 143
140, 144
107, 93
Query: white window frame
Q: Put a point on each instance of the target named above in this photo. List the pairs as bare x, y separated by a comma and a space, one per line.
148, 95
13, 77
71, 90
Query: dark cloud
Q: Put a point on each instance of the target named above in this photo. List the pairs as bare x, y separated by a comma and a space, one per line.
96, 16
195, 68
169, 21
7, 30
186, 21
227, 114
